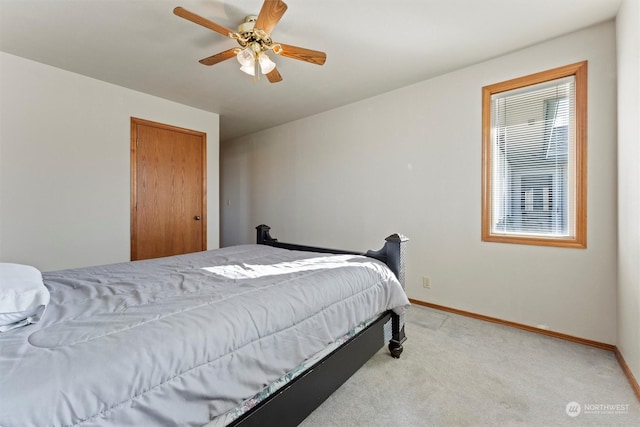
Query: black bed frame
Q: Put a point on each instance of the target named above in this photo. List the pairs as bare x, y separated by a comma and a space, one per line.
290, 405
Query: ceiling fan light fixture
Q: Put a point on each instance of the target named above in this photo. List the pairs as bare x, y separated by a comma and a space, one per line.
246, 57
249, 69
266, 64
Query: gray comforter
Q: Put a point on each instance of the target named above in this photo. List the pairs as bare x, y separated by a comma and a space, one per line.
180, 340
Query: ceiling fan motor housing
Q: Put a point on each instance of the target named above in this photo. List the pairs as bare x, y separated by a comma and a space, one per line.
255, 38
248, 24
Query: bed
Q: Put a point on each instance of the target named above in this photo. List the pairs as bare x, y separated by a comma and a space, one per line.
247, 335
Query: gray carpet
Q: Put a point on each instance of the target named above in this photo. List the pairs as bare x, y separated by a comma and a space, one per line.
459, 371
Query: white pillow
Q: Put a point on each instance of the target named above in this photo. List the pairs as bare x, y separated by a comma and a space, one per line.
23, 295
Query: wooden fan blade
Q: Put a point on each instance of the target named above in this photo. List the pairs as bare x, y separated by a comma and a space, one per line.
274, 76
190, 16
218, 57
270, 14
302, 54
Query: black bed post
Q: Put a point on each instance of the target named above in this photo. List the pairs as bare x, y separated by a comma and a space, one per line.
394, 252
263, 235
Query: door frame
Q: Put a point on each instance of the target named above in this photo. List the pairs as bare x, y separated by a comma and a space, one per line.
134, 184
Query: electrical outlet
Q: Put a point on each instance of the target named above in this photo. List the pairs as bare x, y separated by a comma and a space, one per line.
426, 282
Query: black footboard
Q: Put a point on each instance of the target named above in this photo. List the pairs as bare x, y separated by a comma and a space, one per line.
292, 404
392, 254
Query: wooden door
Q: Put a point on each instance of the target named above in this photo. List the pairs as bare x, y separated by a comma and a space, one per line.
168, 190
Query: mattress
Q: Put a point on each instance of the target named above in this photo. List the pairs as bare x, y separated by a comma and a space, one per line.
182, 340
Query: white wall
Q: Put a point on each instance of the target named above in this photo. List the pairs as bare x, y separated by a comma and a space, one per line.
65, 164
628, 44
409, 161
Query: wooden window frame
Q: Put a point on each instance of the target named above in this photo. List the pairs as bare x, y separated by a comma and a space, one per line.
579, 239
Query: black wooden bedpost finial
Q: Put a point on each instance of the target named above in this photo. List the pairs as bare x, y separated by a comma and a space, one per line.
393, 254
396, 249
263, 237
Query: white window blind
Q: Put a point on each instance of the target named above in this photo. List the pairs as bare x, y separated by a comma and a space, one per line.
533, 189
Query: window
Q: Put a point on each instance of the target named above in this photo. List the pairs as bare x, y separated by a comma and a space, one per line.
534, 159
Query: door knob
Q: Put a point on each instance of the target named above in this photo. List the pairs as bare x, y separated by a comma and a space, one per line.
197, 217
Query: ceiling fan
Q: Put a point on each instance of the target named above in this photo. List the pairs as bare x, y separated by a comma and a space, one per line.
254, 37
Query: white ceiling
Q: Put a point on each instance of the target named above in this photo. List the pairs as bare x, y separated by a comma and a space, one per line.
372, 46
